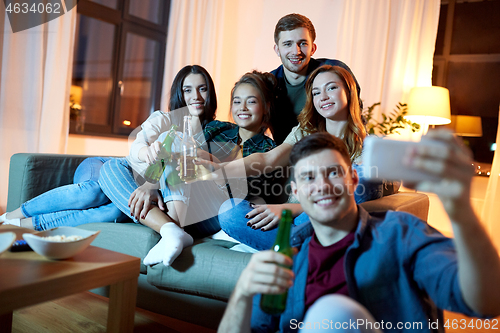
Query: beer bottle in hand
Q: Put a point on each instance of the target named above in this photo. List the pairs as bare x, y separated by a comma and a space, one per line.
188, 152
270, 303
154, 171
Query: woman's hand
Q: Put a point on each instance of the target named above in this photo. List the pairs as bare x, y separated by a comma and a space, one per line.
143, 198
208, 163
211, 170
205, 155
153, 153
264, 217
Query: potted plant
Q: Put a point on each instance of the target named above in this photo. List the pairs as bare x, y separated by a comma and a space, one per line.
391, 123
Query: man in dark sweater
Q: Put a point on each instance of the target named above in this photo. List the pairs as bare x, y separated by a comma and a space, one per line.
294, 37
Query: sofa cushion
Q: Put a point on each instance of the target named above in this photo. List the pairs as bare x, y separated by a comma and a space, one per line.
129, 238
33, 174
411, 202
208, 268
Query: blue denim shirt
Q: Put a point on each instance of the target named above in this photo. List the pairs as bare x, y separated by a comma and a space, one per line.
398, 267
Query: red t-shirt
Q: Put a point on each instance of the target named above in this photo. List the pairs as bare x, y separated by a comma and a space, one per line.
325, 274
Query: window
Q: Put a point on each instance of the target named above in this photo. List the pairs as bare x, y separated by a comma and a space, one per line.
467, 62
118, 64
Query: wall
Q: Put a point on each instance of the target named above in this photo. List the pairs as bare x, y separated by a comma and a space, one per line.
96, 145
437, 215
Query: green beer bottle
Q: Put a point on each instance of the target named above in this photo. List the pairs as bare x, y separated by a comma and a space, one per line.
154, 171
275, 304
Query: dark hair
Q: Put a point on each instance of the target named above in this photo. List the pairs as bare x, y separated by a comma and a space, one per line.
315, 143
266, 84
311, 121
292, 22
177, 95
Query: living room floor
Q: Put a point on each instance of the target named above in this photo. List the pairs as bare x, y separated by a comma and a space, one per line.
87, 312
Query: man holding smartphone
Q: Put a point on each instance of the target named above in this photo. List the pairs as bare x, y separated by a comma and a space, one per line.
370, 273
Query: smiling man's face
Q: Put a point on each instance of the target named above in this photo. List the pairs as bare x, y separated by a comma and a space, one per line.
324, 185
295, 48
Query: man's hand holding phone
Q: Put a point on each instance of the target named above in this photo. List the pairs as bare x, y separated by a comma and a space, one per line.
439, 163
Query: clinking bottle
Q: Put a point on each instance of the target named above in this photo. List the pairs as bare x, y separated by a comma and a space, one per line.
270, 303
188, 170
154, 171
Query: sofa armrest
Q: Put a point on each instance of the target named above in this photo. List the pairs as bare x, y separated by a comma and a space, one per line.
410, 202
31, 174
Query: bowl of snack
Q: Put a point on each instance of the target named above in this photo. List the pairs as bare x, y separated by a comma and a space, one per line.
6, 240
61, 242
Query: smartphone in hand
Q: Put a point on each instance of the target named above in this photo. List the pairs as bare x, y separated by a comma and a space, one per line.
383, 159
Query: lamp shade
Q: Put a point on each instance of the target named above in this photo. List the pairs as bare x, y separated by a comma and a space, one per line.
76, 94
429, 105
467, 125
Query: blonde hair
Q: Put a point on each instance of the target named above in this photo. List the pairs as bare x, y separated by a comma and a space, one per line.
311, 121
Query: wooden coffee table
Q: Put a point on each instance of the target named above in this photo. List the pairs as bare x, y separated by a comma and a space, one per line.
27, 278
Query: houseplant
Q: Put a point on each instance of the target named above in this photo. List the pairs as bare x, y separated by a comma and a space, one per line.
391, 123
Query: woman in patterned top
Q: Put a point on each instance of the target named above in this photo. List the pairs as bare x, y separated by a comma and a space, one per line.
332, 105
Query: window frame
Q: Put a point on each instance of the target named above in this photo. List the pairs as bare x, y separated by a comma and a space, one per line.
125, 23
442, 62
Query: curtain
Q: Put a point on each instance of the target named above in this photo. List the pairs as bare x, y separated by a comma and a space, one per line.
491, 207
195, 32
35, 77
388, 44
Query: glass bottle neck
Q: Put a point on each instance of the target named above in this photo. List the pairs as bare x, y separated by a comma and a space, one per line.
284, 229
188, 131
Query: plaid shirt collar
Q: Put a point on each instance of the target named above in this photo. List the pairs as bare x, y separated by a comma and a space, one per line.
223, 138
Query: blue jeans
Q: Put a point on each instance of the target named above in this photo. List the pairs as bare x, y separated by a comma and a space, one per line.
117, 182
367, 189
233, 221
339, 312
75, 204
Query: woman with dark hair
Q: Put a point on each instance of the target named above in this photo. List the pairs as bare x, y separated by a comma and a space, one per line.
122, 179
177, 100
332, 106
166, 212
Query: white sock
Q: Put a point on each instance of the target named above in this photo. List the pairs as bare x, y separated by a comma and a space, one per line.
173, 240
5, 220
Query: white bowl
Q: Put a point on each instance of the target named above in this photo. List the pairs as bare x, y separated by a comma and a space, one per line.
60, 250
6, 240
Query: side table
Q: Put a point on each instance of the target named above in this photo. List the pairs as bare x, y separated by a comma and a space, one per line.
27, 278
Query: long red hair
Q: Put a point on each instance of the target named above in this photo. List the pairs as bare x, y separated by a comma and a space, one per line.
311, 121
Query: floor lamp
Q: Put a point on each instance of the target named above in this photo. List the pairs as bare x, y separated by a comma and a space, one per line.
467, 125
429, 106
